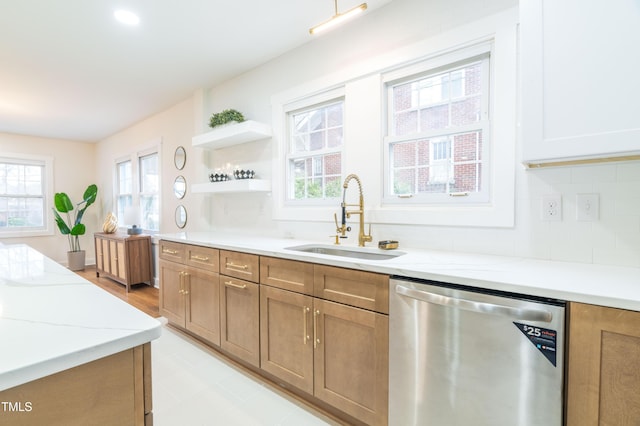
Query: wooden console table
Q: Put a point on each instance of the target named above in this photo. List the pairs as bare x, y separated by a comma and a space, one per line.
124, 258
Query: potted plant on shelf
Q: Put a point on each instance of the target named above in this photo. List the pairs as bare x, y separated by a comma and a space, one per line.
73, 228
224, 117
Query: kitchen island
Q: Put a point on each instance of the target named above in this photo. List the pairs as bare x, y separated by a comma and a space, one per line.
71, 352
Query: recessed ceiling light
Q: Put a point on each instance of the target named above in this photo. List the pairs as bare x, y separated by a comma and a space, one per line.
126, 17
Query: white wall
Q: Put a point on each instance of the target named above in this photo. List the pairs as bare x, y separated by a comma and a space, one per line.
170, 129
614, 239
73, 171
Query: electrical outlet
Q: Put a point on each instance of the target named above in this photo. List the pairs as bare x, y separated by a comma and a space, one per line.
587, 207
551, 207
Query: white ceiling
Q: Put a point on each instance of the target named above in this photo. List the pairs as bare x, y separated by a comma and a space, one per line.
68, 70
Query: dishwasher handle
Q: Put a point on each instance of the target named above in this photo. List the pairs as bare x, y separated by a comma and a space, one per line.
521, 314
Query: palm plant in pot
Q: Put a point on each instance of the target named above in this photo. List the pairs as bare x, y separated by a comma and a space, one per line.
73, 227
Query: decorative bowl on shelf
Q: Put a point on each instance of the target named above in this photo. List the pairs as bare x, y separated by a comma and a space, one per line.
244, 174
218, 177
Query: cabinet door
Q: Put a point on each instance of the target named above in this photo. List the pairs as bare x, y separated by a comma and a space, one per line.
351, 360
579, 78
240, 319
138, 259
99, 261
121, 261
172, 300
286, 338
203, 314
106, 255
603, 366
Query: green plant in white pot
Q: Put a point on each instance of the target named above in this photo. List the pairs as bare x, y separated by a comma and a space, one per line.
73, 227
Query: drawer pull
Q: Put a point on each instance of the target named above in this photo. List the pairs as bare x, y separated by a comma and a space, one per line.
232, 284
233, 265
203, 259
169, 251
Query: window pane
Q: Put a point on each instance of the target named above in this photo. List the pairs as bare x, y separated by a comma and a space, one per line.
125, 183
149, 189
150, 209
437, 165
432, 149
451, 98
22, 202
319, 131
317, 177
149, 173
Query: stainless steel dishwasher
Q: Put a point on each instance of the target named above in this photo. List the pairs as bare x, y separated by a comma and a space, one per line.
463, 357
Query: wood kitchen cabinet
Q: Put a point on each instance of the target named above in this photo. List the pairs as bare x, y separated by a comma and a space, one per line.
124, 258
114, 390
190, 288
333, 351
603, 366
240, 306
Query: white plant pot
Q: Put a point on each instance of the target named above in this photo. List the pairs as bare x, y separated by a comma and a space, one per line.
75, 260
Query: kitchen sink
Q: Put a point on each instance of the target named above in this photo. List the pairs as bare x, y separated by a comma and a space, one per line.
358, 253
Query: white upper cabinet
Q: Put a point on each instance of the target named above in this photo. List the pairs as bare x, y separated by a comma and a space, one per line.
580, 68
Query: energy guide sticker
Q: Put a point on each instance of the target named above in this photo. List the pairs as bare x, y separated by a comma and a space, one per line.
542, 338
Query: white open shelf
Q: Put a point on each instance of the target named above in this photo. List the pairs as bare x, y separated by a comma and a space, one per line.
232, 134
239, 185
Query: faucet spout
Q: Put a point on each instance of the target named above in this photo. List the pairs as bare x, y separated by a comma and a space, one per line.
362, 237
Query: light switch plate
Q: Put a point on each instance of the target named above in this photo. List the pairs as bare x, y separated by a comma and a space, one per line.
587, 207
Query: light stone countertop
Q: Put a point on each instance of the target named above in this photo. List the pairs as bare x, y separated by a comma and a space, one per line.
51, 319
611, 286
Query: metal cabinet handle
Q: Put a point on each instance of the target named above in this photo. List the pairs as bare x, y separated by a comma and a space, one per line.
169, 251
522, 314
203, 259
233, 265
187, 284
232, 284
305, 336
181, 291
316, 339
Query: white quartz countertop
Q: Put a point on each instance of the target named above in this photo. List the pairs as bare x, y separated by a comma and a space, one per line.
612, 286
51, 319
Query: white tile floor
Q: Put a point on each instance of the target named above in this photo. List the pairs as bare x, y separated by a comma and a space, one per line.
193, 387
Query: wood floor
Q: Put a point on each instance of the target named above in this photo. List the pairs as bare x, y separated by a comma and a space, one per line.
141, 296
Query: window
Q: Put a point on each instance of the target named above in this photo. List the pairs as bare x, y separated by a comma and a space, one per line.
149, 190
437, 138
314, 159
24, 200
124, 185
137, 191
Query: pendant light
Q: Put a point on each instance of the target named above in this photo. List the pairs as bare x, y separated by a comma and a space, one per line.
338, 17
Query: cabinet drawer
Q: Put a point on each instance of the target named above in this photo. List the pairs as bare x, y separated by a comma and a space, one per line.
240, 265
287, 274
172, 251
202, 257
367, 290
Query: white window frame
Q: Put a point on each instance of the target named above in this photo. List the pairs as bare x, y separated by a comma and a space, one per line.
363, 84
133, 216
449, 61
47, 188
308, 103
